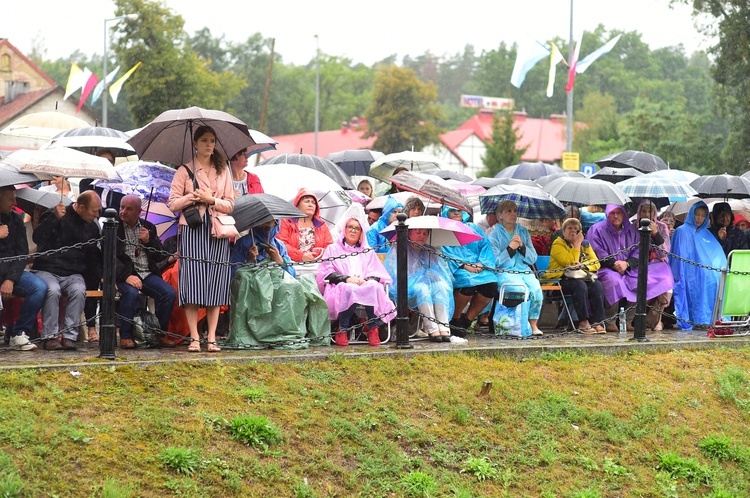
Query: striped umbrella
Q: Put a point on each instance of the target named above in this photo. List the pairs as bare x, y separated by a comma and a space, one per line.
532, 202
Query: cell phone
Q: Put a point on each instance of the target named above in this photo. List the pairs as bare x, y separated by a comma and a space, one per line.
262, 245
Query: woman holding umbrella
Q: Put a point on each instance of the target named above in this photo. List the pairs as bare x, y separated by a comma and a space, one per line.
206, 185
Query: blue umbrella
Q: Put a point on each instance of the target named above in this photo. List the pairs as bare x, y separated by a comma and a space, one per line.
532, 202
148, 180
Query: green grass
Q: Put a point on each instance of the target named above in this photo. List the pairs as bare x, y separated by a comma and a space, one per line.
566, 425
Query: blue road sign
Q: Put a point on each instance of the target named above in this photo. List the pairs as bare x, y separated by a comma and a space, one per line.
588, 169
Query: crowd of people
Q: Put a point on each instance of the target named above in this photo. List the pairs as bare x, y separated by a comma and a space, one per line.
344, 286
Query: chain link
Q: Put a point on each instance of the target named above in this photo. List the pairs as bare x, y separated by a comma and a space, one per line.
41, 339
49, 252
699, 265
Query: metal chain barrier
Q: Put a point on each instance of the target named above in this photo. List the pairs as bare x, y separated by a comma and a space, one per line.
699, 265
42, 339
49, 252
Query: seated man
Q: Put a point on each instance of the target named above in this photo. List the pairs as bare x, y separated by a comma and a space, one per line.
16, 281
141, 257
63, 271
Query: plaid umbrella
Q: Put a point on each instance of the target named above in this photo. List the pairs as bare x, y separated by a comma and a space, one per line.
656, 187
532, 202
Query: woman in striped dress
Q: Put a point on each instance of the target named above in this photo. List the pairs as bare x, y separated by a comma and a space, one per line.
202, 282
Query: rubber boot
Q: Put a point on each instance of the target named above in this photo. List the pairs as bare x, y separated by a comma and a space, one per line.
373, 335
341, 338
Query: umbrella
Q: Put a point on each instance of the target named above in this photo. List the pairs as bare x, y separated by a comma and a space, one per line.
168, 138
726, 186
565, 174
402, 197
433, 188
466, 188
9, 175
677, 175
655, 187
61, 162
91, 139
446, 174
586, 191
285, 180
147, 180
682, 207
532, 202
262, 141
317, 163
162, 217
529, 171
355, 161
642, 161
42, 125
252, 210
443, 231
615, 175
491, 182
29, 198
383, 167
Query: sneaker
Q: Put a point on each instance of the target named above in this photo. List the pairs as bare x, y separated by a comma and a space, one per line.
21, 342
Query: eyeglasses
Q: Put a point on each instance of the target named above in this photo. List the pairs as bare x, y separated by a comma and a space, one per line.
352, 228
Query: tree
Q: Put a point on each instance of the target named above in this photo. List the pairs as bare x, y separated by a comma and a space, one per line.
502, 148
404, 112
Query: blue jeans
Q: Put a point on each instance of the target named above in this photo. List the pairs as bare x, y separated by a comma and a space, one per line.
153, 286
33, 290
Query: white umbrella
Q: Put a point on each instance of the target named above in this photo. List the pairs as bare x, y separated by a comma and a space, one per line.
443, 231
383, 167
402, 197
61, 162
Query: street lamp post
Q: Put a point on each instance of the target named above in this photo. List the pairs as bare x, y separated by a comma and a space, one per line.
317, 89
569, 120
104, 91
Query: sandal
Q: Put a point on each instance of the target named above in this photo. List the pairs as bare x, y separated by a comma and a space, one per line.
213, 347
195, 346
588, 330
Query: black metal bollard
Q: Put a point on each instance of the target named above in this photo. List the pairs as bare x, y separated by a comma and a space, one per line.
107, 319
402, 298
644, 249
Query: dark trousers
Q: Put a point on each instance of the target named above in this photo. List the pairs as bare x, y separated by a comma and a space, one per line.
588, 298
345, 317
153, 286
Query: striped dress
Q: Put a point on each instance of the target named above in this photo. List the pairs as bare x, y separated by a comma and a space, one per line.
201, 282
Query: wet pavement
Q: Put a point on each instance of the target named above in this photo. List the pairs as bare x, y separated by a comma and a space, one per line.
478, 344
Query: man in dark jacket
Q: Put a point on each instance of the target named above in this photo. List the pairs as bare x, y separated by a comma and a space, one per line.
722, 226
16, 281
63, 271
140, 260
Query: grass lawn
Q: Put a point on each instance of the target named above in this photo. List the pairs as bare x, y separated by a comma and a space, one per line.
642, 424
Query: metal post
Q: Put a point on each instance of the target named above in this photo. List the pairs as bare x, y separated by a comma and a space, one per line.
402, 298
640, 294
569, 117
107, 318
317, 90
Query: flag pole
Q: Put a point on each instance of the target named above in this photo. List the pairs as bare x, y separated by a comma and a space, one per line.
569, 116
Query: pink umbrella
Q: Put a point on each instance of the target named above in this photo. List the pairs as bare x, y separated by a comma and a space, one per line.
443, 231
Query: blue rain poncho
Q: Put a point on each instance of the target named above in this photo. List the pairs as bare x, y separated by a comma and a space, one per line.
374, 238
479, 251
429, 280
260, 235
499, 239
695, 288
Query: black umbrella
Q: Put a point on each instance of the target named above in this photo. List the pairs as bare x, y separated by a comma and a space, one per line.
325, 166
354, 161
642, 161
252, 210
529, 171
722, 186
565, 174
446, 174
29, 198
615, 175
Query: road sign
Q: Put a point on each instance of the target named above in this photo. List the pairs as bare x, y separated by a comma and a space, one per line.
588, 169
570, 161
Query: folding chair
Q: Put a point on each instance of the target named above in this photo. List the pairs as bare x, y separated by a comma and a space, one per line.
551, 287
733, 297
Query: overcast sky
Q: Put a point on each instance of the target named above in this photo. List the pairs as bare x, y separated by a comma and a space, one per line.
362, 31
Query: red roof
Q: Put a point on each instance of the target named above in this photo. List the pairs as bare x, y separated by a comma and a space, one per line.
545, 137
21, 103
328, 141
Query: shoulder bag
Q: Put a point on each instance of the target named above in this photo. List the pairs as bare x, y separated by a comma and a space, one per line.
191, 213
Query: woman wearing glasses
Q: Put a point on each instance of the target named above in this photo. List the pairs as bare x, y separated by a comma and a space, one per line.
358, 279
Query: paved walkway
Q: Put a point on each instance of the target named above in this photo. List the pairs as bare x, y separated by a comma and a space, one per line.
87, 355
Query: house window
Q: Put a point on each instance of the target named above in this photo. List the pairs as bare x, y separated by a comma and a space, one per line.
5, 62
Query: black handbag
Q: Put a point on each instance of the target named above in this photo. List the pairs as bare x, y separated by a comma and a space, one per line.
191, 213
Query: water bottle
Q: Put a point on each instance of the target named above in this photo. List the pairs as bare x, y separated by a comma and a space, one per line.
623, 326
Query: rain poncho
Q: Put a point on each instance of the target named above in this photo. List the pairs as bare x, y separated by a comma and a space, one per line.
429, 279
269, 306
340, 297
661, 228
518, 261
255, 236
474, 252
606, 241
374, 238
695, 288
